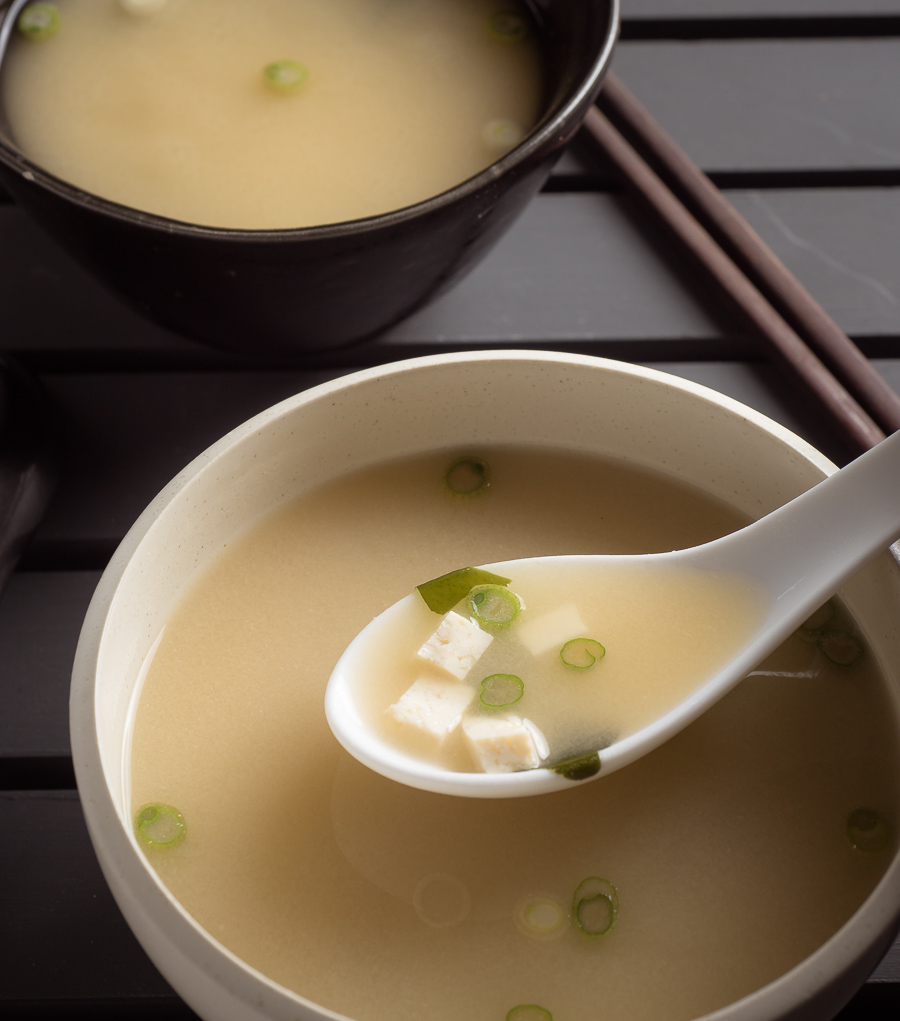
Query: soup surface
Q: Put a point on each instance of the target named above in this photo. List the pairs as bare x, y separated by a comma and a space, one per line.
714, 864
275, 113
561, 662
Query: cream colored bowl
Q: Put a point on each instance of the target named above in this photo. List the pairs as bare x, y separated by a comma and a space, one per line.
547, 400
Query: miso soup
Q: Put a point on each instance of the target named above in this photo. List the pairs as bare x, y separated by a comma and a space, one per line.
666, 890
275, 113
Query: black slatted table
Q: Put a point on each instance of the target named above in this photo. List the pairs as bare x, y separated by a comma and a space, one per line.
790, 105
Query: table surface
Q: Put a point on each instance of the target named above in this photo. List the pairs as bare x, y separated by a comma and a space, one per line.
790, 105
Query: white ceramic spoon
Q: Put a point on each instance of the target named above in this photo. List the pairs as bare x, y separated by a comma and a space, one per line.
799, 555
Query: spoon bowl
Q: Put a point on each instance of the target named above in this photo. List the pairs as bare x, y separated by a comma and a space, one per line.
794, 559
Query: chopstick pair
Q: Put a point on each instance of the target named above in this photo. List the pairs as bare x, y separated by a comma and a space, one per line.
743, 266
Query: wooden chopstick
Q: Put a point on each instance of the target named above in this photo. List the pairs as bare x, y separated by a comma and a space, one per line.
754, 256
783, 341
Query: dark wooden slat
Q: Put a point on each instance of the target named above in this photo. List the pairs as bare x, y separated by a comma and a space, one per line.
751, 255
798, 105
127, 436
124, 437
70, 952
50, 304
66, 939
776, 337
845, 26
844, 245
812, 231
40, 619
655, 9
49, 300
576, 268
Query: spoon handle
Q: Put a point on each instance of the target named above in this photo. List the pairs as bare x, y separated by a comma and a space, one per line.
804, 551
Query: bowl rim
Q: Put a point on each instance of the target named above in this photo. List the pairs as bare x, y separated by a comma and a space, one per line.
545, 135
845, 953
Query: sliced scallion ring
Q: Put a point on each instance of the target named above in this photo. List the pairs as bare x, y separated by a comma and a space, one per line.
595, 906
142, 7
494, 606
507, 27
867, 830
442, 594
839, 647
502, 134
541, 916
501, 690
159, 825
38, 22
467, 476
581, 653
284, 76
528, 1012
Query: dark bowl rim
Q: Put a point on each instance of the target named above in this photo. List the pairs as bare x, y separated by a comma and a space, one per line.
540, 139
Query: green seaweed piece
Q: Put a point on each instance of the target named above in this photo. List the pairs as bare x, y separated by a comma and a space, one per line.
582, 767
442, 594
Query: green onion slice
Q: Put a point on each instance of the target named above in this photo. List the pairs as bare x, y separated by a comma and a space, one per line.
507, 27
38, 22
817, 620
541, 916
159, 825
467, 476
284, 76
581, 653
595, 906
582, 767
501, 690
142, 7
868, 830
493, 605
528, 1012
502, 134
442, 594
839, 646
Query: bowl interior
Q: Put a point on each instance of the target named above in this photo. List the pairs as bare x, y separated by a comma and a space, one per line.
580, 404
577, 38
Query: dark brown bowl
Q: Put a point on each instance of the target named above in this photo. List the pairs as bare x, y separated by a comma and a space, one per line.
309, 289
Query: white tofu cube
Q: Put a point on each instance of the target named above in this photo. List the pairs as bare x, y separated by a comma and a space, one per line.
504, 744
552, 629
432, 706
456, 646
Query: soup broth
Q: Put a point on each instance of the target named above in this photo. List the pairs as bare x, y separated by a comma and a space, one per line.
275, 113
730, 853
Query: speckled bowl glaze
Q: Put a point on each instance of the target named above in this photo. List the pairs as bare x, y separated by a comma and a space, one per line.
546, 400
301, 291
